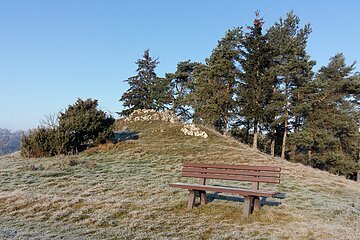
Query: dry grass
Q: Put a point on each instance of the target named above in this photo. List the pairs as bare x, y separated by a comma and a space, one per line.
121, 192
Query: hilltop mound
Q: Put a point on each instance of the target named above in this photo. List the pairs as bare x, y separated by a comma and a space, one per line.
121, 191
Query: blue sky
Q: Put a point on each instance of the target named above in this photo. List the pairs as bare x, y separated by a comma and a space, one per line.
53, 52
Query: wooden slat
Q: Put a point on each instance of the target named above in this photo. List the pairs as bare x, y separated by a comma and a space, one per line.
232, 177
229, 166
231, 172
239, 191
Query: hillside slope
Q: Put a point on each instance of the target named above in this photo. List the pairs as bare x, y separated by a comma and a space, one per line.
9, 141
121, 192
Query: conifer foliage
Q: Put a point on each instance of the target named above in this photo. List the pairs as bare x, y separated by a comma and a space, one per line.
181, 85
329, 138
82, 125
292, 69
214, 87
147, 91
255, 85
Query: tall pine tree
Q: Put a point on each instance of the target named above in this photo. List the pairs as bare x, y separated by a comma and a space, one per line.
255, 86
147, 91
292, 67
214, 85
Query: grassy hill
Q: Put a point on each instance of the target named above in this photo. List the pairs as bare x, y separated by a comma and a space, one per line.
120, 191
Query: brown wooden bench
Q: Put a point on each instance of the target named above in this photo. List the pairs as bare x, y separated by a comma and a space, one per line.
247, 173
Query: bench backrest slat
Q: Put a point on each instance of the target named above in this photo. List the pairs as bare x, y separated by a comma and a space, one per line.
229, 166
232, 177
265, 174
232, 172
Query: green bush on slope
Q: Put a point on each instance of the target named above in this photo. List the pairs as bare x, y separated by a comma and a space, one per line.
80, 126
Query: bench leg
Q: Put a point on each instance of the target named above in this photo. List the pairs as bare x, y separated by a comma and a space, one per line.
247, 206
256, 204
191, 201
203, 198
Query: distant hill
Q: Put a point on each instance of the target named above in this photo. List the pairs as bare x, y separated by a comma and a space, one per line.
9, 141
121, 191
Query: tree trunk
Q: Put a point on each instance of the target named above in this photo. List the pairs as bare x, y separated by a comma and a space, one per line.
272, 143
254, 146
297, 116
283, 148
225, 127
247, 132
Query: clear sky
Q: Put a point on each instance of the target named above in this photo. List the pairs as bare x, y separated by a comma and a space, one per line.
53, 52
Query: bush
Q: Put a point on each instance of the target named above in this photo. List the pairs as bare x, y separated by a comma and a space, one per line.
83, 125
80, 126
40, 142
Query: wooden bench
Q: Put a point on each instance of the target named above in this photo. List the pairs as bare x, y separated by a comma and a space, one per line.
254, 174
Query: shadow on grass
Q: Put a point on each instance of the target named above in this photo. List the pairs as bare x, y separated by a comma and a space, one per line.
215, 196
124, 136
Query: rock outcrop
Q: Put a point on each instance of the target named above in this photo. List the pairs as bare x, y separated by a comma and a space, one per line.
192, 130
152, 115
148, 115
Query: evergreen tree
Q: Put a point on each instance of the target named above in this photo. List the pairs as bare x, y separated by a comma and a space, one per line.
255, 85
292, 68
330, 137
182, 84
82, 125
214, 86
146, 91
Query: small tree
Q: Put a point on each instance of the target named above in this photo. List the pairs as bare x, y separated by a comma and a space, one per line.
82, 124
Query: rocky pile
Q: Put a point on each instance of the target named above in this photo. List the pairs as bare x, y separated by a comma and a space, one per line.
142, 115
148, 115
192, 130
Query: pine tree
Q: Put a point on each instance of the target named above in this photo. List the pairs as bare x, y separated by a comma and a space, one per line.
147, 91
255, 86
182, 84
292, 68
330, 138
214, 85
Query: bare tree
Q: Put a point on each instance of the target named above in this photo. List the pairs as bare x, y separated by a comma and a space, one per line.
50, 120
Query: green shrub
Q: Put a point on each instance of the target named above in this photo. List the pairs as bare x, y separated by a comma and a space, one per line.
83, 125
80, 126
40, 142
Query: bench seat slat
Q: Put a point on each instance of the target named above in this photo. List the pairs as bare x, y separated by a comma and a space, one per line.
232, 172
233, 190
231, 177
239, 167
